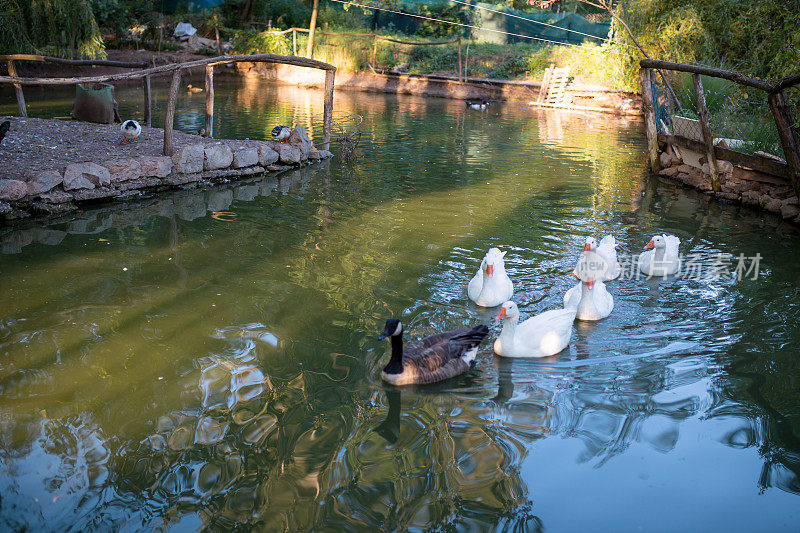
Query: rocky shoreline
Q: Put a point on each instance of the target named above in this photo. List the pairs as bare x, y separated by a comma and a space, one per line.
738, 185
55, 186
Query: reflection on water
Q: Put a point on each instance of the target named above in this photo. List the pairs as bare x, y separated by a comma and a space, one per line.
162, 365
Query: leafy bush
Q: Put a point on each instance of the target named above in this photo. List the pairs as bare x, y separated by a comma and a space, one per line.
261, 42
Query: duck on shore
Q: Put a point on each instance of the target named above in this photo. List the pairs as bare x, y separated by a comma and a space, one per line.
435, 358
130, 131
280, 132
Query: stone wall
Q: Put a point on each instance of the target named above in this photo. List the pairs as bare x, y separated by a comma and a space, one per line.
738, 185
63, 189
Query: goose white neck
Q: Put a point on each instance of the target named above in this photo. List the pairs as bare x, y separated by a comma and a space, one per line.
509, 330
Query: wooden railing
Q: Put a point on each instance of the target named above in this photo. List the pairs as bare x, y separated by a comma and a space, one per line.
788, 134
176, 70
12, 72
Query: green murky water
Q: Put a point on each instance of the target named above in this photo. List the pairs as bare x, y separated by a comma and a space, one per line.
162, 366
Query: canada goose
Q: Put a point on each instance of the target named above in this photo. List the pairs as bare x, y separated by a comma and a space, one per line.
433, 358
281, 133
130, 131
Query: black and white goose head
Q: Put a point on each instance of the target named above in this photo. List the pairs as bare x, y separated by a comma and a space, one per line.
393, 328
281, 133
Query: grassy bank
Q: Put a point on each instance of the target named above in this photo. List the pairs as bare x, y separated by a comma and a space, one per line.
597, 64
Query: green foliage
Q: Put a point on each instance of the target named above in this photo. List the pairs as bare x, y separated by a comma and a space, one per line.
261, 42
443, 11
51, 27
761, 39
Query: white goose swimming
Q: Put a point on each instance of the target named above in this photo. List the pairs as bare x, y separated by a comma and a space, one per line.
662, 259
491, 285
589, 298
607, 249
539, 336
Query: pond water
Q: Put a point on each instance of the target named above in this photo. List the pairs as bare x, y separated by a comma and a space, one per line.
208, 358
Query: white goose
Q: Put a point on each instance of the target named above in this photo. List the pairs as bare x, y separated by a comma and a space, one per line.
539, 336
491, 285
662, 259
607, 249
589, 298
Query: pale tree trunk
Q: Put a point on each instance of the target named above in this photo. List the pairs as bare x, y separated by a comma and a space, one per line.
311, 28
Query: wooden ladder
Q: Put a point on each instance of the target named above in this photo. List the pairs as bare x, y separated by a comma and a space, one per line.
554, 84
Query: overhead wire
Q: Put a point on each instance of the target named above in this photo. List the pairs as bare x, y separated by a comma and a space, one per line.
423, 17
532, 21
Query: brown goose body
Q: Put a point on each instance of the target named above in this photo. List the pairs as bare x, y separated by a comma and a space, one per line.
435, 358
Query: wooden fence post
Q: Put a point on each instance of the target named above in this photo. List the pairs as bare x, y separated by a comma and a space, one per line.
460, 77
374, 51
294, 41
12, 71
705, 128
650, 119
147, 101
327, 110
788, 135
209, 100
170, 117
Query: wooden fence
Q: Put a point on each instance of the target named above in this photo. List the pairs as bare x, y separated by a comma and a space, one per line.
176, 69
787, 132
23, 110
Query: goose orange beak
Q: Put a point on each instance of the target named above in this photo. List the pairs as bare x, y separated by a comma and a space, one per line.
501, 314
489, 270
590, 283
586, 247
650, 244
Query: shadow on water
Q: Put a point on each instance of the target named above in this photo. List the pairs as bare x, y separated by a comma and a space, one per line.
166, 367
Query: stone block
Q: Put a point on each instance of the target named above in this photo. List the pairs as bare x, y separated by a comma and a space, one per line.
188, 159
124, 169
42, 181
12, 189
289, 154
266, 155
85, 176
156, 166
245, 157
217, 156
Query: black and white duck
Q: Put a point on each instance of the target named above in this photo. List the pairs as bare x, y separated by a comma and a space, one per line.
280, 132
477, 105
130, 131
435, 358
